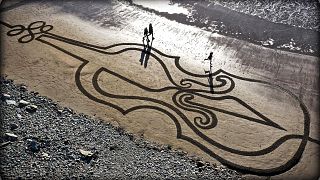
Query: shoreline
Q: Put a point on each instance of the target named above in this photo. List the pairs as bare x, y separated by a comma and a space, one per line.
252, 29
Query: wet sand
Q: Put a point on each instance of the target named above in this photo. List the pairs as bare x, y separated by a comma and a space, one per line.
74, 65
215, 18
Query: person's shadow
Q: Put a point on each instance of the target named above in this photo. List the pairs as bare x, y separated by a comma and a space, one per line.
145, 53
210, 80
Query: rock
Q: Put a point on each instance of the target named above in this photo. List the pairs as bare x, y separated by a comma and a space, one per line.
35, 93
32, 108
23, 103
13, 126
113, 147
11, 136
4, 144
60, 111
5, 96
23, 88
18, 110
9, 102
200, 164
69, 110
45, 155
33, 145
86, 153
19, 116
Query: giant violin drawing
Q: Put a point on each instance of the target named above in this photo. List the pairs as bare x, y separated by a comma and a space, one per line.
200, 115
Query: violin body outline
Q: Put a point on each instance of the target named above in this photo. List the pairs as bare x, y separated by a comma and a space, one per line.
182, 99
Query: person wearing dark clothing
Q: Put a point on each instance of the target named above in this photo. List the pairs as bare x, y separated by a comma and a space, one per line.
145, 32
210, 79
146, 36
210, 56
151, 30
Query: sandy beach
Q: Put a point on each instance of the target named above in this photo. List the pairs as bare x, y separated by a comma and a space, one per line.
261, 119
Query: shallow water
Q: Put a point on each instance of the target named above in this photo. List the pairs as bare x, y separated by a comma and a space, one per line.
251, 26
163, 6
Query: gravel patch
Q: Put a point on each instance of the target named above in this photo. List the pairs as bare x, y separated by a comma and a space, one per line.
40, 139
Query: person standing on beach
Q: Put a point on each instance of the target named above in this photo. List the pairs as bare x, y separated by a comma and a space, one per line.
210, 56
151, 30
146, 35
210, 79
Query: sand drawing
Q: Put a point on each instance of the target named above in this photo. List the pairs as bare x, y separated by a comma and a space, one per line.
185, 107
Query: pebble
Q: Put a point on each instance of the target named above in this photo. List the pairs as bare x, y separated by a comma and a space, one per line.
11, 136
23, 103
86, 153
45, 155
113, 147
33, 145
60, 111
11, 102
13, 126
23, 88
68, 110
200, 164
5, 96
31, 108
4, 144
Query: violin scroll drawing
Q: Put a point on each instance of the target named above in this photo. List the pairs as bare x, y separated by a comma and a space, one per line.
200, 112
31, 30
